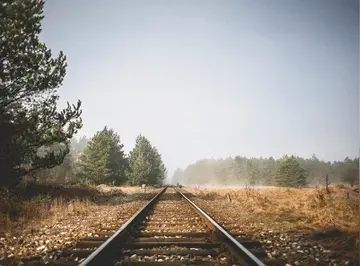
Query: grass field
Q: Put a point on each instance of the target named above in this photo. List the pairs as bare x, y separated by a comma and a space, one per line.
290, 207
307, 226
35, 202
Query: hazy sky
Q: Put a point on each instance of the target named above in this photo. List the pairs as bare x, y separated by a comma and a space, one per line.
214, 78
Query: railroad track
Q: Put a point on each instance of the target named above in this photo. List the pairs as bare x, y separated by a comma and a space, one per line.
170, 230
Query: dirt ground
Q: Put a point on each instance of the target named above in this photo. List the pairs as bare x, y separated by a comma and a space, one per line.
295, 226
60, 220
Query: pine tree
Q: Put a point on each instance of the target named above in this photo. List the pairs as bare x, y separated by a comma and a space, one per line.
103, 160
241, 170
140, 161
351, 176
269, 171
118, 161
29, 79
253, 172
290, 173
61, 173
78, 145
158, 168
146, 165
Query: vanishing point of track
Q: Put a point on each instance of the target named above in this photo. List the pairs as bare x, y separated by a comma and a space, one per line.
170, 230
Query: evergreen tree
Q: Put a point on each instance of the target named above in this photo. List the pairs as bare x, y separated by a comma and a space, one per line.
61, 173
261, 171
146, 165
118, 161
29, 79
65, 171
239, 166
269, 171
78, 145
351, 176
140, 161
253, 171
103, 160
158, 169
290, 173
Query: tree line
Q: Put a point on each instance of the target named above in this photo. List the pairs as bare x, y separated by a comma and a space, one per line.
102, 160
286, 171
36, 135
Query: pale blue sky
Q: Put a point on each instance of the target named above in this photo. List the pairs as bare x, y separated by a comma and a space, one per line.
205, 79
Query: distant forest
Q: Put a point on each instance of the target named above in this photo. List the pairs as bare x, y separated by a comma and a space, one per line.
242, 171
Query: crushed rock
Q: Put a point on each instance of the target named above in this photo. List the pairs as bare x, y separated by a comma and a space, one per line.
59, 232
299, 247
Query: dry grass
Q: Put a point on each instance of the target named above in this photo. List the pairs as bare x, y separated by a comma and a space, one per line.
16, 214
290, 207
130, 188
35, 202
135, 189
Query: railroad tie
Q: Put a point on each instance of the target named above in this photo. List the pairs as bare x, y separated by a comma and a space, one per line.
170, 230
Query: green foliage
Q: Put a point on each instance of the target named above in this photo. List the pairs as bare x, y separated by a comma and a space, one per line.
146, 165
77, 146
29, 80
103, 160
289, 173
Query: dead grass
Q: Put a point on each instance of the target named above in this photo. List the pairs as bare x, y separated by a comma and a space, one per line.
135, 189
16, 214
290, 207
35, 202
130, 189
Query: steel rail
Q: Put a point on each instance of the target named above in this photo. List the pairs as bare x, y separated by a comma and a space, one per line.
244, 253
100, 253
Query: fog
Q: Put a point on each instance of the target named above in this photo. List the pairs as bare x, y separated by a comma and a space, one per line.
257, 172
212, 79
220, 186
